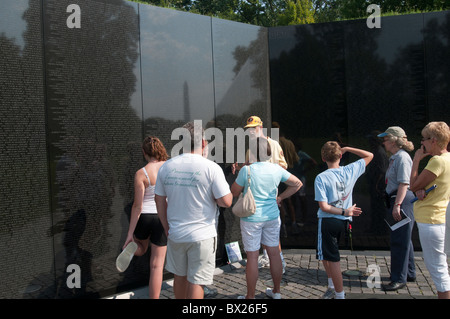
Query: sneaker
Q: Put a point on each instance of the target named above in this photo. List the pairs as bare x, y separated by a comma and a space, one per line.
208, 292
124, 259
329, 294
263, 261
273, 295
242, 297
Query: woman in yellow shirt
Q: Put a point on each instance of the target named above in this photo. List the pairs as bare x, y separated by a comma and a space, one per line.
430, 209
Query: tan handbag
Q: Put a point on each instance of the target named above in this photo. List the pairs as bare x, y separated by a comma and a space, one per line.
245, 205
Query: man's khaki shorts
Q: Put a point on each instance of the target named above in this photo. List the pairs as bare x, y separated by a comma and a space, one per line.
195, 260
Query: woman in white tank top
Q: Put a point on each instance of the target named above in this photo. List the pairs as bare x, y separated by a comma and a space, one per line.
145, 226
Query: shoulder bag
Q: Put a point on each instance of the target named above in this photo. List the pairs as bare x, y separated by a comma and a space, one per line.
245, 205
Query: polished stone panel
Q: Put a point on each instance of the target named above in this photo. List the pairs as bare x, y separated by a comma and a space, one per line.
307, 72
343, 81
437, 53
241, 89
25, 220
75, 104
241, 73
94, 130
385, 75
177, 70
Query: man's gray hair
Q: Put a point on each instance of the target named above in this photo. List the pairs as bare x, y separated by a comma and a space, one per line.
196, 132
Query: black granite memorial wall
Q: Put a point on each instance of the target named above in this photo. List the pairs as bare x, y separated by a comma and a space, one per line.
344, 81
82, 83
81, 87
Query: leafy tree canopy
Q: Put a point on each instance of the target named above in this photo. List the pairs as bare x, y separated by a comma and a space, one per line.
287, 12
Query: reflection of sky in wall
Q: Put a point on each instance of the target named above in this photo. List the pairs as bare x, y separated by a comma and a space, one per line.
227, 36
176, 49
13, 24
400, 35
393, 38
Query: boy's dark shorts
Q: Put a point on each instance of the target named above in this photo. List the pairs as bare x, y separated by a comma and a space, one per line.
329, 232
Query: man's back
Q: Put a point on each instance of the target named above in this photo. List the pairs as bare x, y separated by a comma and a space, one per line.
191, 184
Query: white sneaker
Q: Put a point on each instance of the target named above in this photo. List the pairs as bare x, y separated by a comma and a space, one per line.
124, 259
263, 261
329, 294
273, 295
242, 297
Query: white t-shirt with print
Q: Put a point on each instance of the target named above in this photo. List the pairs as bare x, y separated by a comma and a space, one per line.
191, 184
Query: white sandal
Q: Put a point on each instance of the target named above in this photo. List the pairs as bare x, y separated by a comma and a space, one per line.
125, 257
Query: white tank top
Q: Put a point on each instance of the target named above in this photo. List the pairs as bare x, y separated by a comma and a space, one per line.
149, 205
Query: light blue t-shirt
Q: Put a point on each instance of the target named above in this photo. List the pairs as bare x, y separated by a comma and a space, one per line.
264, 180
335, 186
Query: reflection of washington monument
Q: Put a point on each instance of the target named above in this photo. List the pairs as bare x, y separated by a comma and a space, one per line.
187, 108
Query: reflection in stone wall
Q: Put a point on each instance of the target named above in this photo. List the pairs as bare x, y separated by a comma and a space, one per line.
76, 103
91, 78
343, 81
25, 216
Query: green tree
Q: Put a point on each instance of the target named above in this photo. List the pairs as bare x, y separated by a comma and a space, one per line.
335, 10
288, 12
298, 12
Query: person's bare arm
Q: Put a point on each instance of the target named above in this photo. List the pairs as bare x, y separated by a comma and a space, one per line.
225, 201
161, 207
365, 155
293, 185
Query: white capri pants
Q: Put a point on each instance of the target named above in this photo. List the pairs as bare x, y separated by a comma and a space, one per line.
432, 238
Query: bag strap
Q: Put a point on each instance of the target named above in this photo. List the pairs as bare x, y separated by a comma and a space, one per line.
248, 177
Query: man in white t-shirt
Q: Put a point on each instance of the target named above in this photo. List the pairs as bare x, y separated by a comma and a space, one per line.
193, 187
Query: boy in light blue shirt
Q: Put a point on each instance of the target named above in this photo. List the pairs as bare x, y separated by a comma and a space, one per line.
333, 190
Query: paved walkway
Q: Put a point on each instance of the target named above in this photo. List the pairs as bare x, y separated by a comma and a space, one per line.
305, 278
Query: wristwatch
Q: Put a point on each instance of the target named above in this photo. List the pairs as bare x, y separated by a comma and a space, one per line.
343, 212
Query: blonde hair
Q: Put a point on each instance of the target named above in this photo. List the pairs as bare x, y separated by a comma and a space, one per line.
438, 130
331, 152
401, 142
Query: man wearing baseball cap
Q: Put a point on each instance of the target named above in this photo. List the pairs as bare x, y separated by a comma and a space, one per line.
277, 152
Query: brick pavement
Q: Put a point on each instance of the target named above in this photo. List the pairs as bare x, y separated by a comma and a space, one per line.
305, 278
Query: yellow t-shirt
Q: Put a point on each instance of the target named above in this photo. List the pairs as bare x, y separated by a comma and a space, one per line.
432, 209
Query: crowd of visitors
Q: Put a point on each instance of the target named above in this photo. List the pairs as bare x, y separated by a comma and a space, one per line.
176, 208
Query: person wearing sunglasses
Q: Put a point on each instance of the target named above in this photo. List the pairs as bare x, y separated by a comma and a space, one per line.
430, 209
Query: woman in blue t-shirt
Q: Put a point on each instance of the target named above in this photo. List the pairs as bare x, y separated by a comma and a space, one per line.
263, 227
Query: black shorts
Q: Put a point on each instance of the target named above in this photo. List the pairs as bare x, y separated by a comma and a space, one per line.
149, 225
330, 230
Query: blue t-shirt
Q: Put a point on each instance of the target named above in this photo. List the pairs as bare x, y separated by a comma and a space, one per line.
399, 171
335, 186
264, 180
